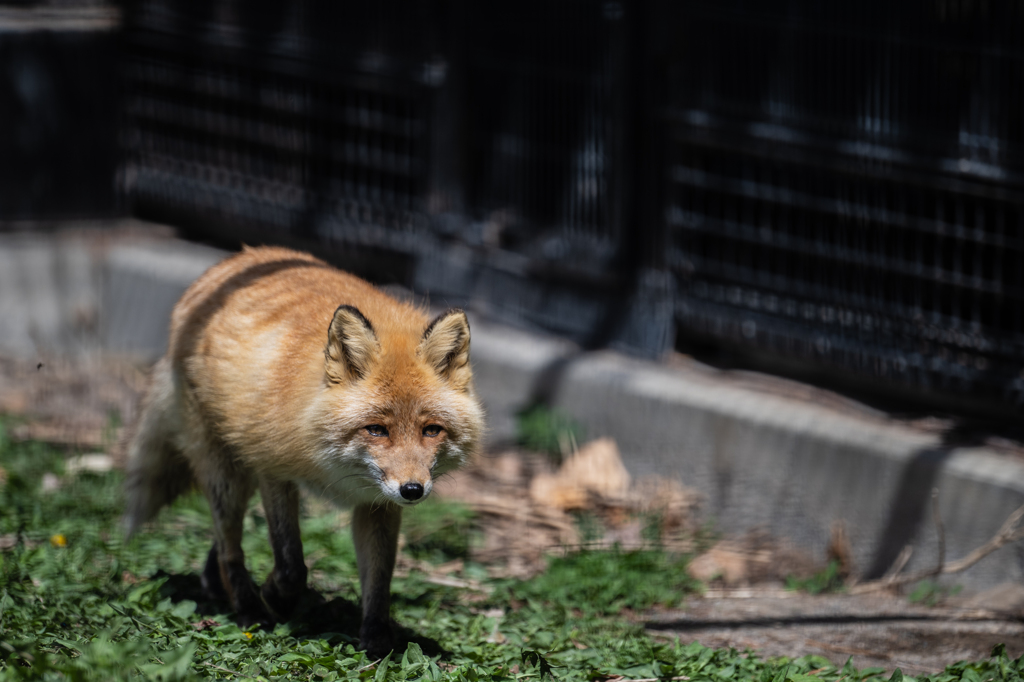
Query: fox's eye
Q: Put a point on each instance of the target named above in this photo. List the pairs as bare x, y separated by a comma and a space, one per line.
431, 430
377, 430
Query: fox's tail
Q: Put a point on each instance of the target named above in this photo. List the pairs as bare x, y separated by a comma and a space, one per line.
157, 471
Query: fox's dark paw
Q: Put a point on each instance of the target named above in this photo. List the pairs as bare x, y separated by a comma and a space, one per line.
279, 603
261, 618
377, 638
251, 609
213, 591
210, 579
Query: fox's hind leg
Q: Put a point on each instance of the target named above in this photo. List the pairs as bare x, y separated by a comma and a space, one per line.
288, 579
228, 488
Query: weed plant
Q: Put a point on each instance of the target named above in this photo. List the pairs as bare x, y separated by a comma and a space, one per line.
78, 603
550, 431
931, 593
827, 579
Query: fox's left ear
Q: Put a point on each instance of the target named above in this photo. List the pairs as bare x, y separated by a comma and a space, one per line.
445, 347
352, 346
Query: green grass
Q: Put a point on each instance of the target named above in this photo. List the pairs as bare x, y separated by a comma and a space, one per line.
604, 583
827, 579
77, 603
931, 593
551, 431
439, 530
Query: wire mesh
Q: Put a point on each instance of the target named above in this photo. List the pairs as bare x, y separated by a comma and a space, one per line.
235, 122
541, 126
844, 188
838, 185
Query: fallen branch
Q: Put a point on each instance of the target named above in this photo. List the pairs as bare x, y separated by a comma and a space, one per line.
897, 566
217, 667
1009, 532
448, 581
369, 665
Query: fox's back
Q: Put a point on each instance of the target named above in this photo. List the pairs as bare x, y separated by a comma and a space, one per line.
248, 337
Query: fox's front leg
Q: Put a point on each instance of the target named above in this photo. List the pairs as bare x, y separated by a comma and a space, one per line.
375, 532
288, 579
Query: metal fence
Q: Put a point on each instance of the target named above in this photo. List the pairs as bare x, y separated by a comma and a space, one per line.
834, 185
846, 187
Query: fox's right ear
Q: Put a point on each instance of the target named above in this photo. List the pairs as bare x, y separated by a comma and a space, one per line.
352, 345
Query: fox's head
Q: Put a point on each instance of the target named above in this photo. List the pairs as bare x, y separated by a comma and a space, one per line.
400, 409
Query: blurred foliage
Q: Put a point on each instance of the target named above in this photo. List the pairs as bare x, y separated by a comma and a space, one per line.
827, 579
440, 530
604, 582
549, 431
931, 593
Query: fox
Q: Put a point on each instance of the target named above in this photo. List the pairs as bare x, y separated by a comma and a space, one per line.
283, 373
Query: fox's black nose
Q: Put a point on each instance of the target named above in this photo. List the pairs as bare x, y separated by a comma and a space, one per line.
411, 491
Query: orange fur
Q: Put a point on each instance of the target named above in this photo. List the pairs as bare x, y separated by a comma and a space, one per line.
281, 371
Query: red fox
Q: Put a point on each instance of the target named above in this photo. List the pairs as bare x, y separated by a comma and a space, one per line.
283, 371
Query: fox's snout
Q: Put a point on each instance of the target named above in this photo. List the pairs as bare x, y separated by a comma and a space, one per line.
411, 491
402, 468
407, 491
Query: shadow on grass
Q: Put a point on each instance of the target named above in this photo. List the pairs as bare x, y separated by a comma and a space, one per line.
315, 617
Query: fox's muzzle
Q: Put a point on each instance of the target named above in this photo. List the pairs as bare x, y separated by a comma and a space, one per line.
408, 492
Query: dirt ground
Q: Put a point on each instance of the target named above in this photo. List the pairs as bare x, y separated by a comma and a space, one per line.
529, 508
876, 630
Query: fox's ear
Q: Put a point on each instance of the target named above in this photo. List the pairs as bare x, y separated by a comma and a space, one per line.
352, 345
445, 347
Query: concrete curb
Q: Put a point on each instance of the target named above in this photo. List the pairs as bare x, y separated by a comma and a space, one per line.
766, 461
792, 466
